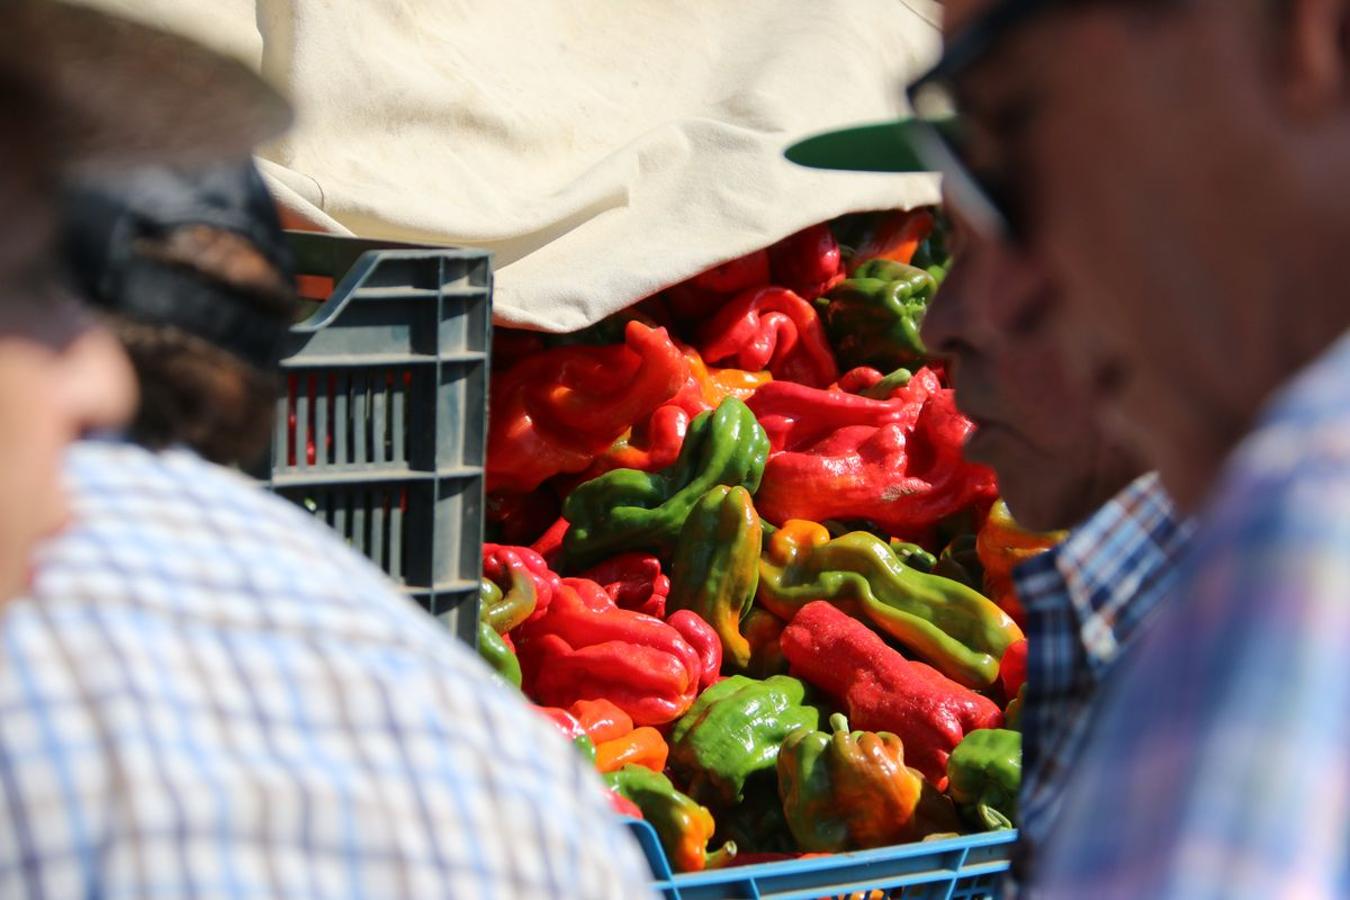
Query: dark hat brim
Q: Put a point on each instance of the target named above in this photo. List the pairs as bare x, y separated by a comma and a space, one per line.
878, 147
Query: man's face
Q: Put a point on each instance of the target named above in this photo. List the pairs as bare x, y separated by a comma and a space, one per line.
1106, 121
59, 378
1035, 426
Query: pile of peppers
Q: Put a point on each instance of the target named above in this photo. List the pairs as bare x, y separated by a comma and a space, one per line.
743, 566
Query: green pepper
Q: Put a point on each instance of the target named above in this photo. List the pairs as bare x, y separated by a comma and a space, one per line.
733, 731
757, 825
847, 790
716, 568
494, 650
585, 746
683, 826
630, 510
913, 555
887, 386
953, 627
504, 611
960, 561
985, 773
873, 318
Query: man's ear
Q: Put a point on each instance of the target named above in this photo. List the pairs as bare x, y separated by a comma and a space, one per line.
1315, 39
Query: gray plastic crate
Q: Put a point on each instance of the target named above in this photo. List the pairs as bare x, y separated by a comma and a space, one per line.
381, 427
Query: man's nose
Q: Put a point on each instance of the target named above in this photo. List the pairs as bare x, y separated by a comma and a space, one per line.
96, 385
948, 325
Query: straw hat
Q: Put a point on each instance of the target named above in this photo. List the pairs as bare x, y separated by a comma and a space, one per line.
111, 91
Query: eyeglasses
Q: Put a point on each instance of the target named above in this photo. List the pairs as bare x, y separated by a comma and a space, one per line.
940, 136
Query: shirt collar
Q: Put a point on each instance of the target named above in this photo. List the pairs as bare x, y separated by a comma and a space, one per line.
1111, 570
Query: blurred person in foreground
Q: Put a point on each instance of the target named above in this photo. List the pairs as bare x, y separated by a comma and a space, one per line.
1180, 168
1088, 599
248, 706
80, 89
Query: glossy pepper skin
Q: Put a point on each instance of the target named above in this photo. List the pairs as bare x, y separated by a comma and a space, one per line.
585, 648
771, 328
897, 463
704, 640
683, 826
882, 691
555, 411
871, 383
525, 582
796, 417
847, 790
809, 262
950, 626
655, 442
873, 318
495, 650
635, 581
733, 731
984, 774
716, 567
640, 747
763, 630
1012, 671
1002, 546
631, 510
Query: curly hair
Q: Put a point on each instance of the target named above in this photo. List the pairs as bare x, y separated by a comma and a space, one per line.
193, 392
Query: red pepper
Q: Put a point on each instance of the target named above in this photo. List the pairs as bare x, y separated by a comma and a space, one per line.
808, 262
795, 416
622, 805
771, 328
905, 475
549, 545
555, 412
751, 270
520, 568
520, 518
566, 723
702, 638
512, 345
635, 582
882, 691
1012, 671
587, 648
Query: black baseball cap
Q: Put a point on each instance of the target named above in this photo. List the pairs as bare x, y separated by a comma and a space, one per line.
109, 221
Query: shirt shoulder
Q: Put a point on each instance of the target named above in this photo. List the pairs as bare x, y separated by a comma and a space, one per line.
200, 664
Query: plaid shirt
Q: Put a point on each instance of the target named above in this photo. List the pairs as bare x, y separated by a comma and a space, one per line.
209, 695
1220, 761
1085, 602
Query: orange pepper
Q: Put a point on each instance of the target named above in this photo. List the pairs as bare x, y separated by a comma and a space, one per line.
640, 747
1002, 545
601, 720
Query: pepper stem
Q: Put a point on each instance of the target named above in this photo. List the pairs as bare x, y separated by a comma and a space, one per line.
839, 723
720, 859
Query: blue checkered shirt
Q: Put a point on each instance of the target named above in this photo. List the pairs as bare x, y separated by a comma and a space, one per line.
1219, 765
1086, 600
209, 695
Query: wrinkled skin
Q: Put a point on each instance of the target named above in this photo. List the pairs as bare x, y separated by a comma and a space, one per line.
1173, 260
1034, 424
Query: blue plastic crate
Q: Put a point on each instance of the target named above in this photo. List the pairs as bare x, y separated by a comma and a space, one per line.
965, 868
381, 427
